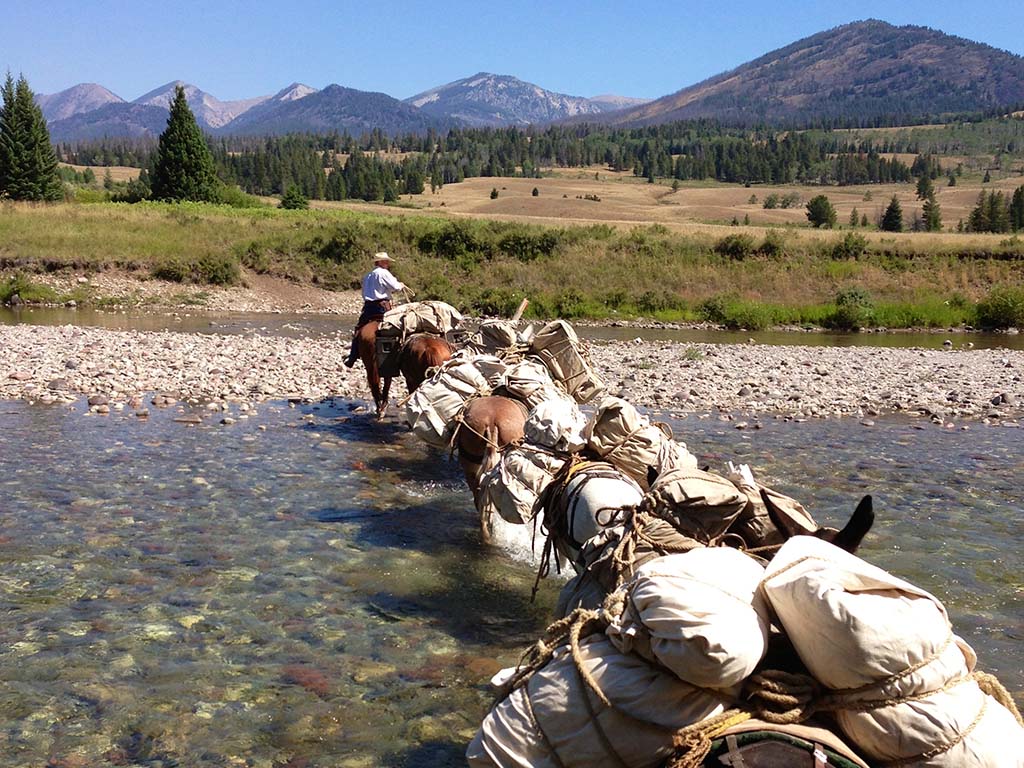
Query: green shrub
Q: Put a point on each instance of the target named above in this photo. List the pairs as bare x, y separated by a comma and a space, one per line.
773, 246
653, 302
529, 245
852, 246
854, 310
751, 315
713, 309
233, 196
735, 246
26, 290
495, 301
210, 269
453, 240
346, 245
570, 304
1002, 308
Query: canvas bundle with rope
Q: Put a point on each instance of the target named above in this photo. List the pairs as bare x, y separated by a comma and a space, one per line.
401, 322
552, 435
574, 699
560, 349
432, 410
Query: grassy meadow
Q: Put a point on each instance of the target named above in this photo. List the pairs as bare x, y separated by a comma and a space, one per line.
566, 264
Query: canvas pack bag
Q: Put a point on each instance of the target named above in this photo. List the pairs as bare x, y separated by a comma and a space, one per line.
557, 425
699, 504
553, 718
901, 681
420, 317
529, 382
562, 352
512, 487
621, 435
699, 614
496, 337
433, 408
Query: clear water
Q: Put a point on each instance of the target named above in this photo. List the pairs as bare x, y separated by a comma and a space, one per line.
315, 594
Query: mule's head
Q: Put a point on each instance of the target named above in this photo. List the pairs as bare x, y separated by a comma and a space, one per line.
849, 538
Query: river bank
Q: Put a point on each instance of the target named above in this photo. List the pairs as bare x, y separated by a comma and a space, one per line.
136, 369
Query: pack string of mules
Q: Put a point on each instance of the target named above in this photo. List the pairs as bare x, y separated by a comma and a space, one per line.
710, 620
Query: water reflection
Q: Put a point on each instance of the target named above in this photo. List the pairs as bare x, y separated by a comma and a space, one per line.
315, 593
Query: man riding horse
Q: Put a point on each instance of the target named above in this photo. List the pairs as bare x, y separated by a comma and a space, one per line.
378, 285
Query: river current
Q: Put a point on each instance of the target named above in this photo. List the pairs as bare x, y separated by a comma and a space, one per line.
306, 587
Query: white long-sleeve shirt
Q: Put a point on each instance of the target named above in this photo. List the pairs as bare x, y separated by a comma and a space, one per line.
379, 284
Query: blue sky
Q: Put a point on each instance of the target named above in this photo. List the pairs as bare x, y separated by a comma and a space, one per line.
240, 49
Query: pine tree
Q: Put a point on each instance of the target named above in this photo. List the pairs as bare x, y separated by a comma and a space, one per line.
932, 214
184, 166
892, 219
28, 164
854, 217
925, 188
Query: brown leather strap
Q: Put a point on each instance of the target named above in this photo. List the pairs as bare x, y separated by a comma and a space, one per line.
820, 758
733, 757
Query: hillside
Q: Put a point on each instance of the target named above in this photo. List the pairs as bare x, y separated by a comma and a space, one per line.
84, 97
335, 108
120, 119
856, 72
494, 100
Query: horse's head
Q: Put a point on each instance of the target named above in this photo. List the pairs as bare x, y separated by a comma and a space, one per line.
849, 538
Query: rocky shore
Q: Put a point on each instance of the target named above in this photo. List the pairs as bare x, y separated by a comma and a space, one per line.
133, 369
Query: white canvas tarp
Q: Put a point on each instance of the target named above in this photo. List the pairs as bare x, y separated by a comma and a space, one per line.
432, 409
529, 382
699, 614
887, 647
420, 317
622, 436
648, 705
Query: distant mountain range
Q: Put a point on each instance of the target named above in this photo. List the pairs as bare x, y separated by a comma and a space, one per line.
858, 71
492, 100
89, 111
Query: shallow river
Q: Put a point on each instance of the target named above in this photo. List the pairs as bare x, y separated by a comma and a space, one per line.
314, 594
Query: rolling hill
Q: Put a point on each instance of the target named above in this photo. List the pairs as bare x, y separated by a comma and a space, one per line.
859, 71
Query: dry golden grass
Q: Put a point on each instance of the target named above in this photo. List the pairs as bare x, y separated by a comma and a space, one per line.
696, 208
117, 172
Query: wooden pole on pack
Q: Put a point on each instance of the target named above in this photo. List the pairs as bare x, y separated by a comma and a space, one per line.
519, 312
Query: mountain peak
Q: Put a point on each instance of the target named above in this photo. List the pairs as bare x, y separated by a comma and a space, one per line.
487, 99
78, 99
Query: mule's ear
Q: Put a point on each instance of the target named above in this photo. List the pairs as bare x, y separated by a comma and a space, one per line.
857, 528
783, 522
652, 475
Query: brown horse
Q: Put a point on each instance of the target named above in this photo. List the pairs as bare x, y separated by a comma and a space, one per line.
488, 425
420, 352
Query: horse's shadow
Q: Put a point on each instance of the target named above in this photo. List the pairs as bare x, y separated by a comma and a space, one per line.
429, 754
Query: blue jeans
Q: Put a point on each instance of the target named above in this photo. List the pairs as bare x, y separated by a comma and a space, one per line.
372, 310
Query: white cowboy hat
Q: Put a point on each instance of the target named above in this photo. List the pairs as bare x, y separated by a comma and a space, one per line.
381, 256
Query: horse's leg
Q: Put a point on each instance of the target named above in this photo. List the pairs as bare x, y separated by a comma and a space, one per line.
382, 405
